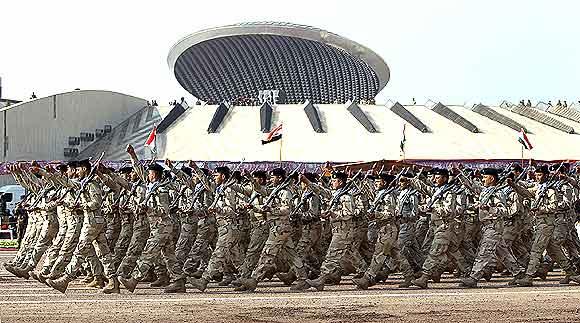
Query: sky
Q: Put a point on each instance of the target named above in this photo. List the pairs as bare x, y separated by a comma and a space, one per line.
456, 52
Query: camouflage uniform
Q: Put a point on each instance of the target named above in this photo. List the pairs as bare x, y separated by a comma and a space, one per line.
279, 241
258, 236
140, 232
159, 246
407, 212
492, 225
547, 204
341, 223
92, 234
444, 247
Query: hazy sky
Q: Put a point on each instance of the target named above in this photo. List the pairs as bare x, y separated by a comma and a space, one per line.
452, 51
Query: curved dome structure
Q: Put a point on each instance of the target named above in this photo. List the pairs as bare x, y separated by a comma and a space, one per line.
303, 63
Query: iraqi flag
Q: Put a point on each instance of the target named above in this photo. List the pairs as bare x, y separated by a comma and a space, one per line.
523, 139
151, 142
274, 135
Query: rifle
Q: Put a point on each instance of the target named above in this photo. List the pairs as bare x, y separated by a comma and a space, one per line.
550, 183
441, 191
287, 181
388, 190
154, 189
88, 179
345, 189
220, 190
303, 200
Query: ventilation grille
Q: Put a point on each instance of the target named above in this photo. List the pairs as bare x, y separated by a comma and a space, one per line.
497, 117
449, 114
537, 116
406, 115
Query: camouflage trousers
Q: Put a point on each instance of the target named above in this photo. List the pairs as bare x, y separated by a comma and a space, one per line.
409, 247
338, 250
199, 255
421, 228
185, 242
112, 228
306, 247
444, 249
48, 230
27, 243
74, 223
124, 238
92, 238
492, 247
159, 251
139, 238
565, 233
245, 229
54, 250
543, 241
360, 249
471, 237
513, 232
223, 257
258, 237
279, 243
387, 247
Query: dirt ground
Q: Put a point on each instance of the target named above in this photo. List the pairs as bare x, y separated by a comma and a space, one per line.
29, 301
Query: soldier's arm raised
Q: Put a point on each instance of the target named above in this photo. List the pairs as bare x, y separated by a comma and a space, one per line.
137, 166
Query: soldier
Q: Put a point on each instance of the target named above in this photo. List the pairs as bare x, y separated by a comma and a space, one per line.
492, 214
205, 239
308, 214
260, 227
279, 241
130, 206
159, 246
340, 212
225, 209
383, 210
53, 251
92, 234
443, 206
547, 198
184, 202
408, 213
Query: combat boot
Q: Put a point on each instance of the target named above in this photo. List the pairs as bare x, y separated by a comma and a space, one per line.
197, 274
250, 284
89, 278
60, 284
162, 281
240, 288
199, 284
468, 282
333, 279
317, 283
542, 272
407, 282
22, 272
286, 278
421, 282
177, 286
226, 280
237, 282
526, 281
514, 281
300, 285
98, 282
129, 283
43, 277
10, 268
362, 283
575, 278
381, 276
112, 287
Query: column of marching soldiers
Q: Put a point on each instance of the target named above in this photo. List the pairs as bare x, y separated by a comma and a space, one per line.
189, 227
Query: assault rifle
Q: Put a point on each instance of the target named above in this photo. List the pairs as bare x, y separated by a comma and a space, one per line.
88, 179
287, 181
345, 189
388, 190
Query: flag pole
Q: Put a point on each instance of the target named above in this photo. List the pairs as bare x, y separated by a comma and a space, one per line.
280, 152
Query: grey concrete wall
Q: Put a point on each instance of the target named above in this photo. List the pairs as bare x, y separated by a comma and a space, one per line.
39, 129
